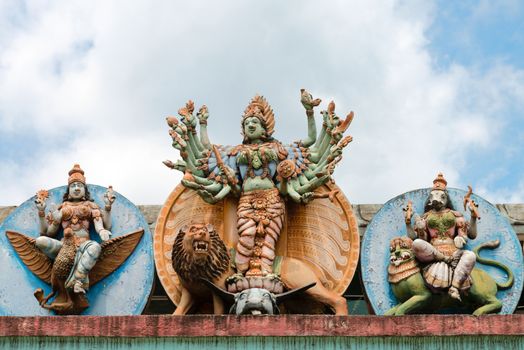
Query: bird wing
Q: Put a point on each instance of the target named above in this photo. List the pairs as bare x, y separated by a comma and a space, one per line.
35, 260
114, 252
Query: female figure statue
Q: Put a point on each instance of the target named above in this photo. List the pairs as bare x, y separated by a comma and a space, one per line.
76, 213
439, 238
261, 171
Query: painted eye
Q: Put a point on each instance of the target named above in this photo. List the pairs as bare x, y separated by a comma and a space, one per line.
392, 249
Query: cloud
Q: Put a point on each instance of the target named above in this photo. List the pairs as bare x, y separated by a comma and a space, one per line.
93, 82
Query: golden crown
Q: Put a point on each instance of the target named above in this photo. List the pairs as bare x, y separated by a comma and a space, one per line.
76, 175
440, 183
258, 107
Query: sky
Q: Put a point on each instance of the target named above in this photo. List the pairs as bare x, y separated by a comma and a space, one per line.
435, 86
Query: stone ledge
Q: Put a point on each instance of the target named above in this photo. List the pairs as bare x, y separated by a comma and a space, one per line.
253, 326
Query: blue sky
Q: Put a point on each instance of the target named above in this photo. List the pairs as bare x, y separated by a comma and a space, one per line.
435, 86
482, 35
478, 33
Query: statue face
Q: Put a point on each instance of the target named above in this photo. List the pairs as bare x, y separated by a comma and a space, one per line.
438, 199
400, 250
254, 301
253, 128
77, 190
196, 240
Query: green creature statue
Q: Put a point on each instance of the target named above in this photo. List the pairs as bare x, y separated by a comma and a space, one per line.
415, 295
261, 171
431, 267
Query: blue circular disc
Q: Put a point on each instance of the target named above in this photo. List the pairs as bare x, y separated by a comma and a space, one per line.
388, 223
124, 292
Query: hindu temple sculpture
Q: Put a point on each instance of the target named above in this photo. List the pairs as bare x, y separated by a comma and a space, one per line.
199, 254
74, 263
255, 301
261, 171
414, 285
440, 236
260, 175
435, 266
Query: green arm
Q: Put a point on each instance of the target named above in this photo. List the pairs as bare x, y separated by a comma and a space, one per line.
322, 162
312, 131
212, 199
202, 115
190, 121
202, 183
320, 149
194, 142
195, 155
313, 184
289, 189
309, 103
178, 133
188, 141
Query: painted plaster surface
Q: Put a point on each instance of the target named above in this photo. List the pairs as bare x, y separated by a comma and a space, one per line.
389, 222
147, 326
125, 292
253, 343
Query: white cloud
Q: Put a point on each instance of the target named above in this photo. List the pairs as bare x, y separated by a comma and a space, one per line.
147, 59
503, 195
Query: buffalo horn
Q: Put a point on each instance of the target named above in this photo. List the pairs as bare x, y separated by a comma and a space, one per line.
224, 295
281, 297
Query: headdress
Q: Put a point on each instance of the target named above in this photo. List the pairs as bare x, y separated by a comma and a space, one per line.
440, 183
258, 107
76, 175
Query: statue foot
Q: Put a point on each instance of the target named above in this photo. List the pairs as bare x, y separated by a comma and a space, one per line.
454, 293
39, 295
60, 307
78, 288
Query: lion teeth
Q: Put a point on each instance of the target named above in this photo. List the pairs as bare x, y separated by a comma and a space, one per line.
200, 246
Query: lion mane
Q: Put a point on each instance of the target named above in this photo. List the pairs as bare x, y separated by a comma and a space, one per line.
215, 264
406, 269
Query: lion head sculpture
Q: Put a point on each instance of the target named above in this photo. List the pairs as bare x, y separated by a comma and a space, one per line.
401, 249
198, 252
402, 262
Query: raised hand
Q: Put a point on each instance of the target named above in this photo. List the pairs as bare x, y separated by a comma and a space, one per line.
473, 207
308, 197
169, 164
109, 197
207, 196
40, 201
307, 100
470, 204
104, 234
203, 114
408, 210
187, 114
459, 241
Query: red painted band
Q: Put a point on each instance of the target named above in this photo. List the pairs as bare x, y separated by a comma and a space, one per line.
288, 325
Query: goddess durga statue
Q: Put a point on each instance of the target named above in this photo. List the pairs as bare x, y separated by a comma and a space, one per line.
261, 171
